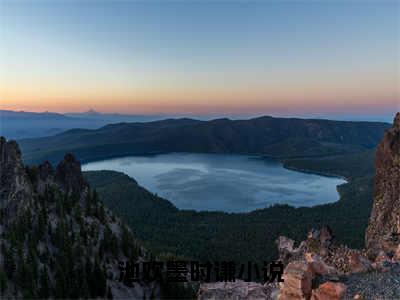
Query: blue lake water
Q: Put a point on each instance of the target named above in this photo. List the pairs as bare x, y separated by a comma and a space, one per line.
231, 183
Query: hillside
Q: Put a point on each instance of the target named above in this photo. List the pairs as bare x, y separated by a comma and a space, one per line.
276, 137
57, 239
238, 236
350, 166
21, 124
320, 267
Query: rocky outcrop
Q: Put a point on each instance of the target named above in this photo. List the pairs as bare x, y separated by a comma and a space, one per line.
14, 185
297, 283
287, 251
69, 174
53, 226
383, 232
45, 176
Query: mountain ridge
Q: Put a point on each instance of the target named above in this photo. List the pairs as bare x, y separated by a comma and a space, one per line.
275, 137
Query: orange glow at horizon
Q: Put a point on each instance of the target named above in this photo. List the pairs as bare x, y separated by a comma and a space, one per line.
219, 58
301, 95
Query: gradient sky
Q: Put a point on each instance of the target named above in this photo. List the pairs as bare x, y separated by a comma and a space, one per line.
201, 57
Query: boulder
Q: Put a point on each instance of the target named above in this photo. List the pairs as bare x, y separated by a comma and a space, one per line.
297, 283
329, 291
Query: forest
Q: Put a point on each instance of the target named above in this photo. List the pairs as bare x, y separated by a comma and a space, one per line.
242, 236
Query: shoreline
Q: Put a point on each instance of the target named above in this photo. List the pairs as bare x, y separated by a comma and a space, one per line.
283, 161
321, 173
257, 157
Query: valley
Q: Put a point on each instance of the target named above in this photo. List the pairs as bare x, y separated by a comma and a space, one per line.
334, 148
238, 236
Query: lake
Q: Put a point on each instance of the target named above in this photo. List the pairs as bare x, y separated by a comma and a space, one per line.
230, 183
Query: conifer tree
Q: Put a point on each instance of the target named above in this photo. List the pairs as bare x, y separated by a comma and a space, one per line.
3, 282
44, 291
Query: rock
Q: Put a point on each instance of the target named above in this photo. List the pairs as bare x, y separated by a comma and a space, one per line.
313, 234
24, 211
358, 263
234, 290
319, 241
396, 256
45, 176
46, 171
382, 262
69, 174
297, 283
318, 265
383, 232
287, 252
284, 243
329, 291
381, 257
14, 184
326, 236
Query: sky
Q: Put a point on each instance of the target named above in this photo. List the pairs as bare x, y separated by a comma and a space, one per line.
201, 57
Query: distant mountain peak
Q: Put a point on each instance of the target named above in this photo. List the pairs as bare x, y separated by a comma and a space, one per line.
92, 112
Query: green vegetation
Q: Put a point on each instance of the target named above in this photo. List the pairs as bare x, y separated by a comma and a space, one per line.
243, 236
351, 166
328, 147
50, 250
275, 137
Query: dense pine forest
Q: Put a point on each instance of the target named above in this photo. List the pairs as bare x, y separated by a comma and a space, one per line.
242, 236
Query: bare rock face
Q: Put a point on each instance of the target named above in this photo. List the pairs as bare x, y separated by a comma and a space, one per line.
45, 176
297, 283
69, 174
14, 186
287, 251
46, 171
238, 290
319, 240
329, 291
383, 232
